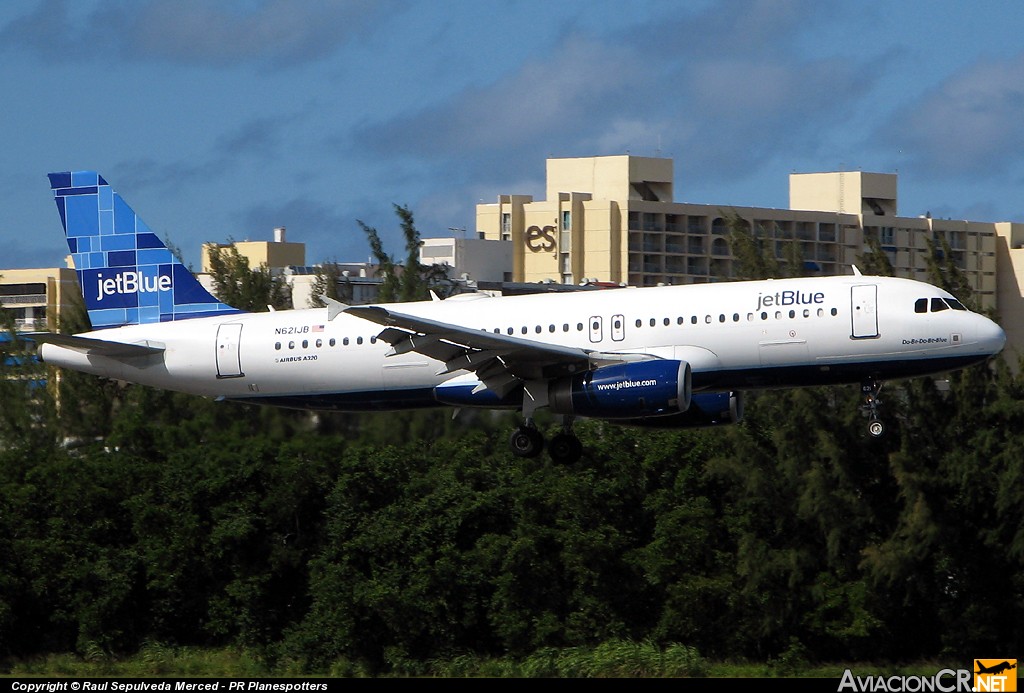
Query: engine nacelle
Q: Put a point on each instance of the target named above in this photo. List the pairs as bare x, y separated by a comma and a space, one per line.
706, 409
638, 389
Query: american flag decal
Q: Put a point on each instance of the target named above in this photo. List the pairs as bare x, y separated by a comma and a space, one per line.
318, 328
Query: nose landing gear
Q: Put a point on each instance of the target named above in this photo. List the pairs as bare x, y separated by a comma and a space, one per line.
870, 390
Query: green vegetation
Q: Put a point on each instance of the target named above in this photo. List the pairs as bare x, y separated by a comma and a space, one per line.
393, 543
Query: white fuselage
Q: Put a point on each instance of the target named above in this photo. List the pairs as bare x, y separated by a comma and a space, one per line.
775, 333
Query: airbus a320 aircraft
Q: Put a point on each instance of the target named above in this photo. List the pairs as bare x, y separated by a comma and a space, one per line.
676, 356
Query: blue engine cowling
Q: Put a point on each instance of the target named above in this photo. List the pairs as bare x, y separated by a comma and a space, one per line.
660, 387
706, 409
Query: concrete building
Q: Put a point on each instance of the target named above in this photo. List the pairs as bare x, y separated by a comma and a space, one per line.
469, 259
35, 298
614, 219
272, 254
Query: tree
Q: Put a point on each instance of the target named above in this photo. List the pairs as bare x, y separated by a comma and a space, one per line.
755, 256
240, 286
329, 281
412, 281
873, 261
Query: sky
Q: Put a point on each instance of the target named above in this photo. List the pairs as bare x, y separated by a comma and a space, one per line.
218, 121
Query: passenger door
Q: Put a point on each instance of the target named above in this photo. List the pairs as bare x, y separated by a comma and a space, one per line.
864, 311
229, 358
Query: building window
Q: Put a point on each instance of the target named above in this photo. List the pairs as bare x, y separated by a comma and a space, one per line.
506, 226
566, 219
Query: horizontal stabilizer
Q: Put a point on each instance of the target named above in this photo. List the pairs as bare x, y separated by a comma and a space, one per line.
100, 347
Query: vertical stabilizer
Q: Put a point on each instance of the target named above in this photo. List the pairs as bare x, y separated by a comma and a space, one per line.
126, 273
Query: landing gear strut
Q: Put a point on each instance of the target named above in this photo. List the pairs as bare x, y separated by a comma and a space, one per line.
870, 390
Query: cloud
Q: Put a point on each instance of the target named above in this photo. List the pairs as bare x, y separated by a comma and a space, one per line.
542, 100
726, 89
256, 141
277, 33
969, 125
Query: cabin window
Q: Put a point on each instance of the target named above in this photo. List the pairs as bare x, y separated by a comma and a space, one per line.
721, 318
707, 319
305, 343
332, 342
551, 328
537, 329
834, 312
359, 340
319, 343
510, 330
807, 312
565, 327
345, 341
524, 329
666, 322
735, 317
653, 322
373, 340
679, 320
693, 320
277, 346
764, 315
579, 327
921, 305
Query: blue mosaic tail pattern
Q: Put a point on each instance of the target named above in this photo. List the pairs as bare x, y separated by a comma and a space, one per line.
127, 274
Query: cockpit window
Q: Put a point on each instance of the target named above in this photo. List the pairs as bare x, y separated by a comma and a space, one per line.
955, 304
921, 305
938, 304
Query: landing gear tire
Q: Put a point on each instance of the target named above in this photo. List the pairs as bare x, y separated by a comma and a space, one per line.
876, 429
565, 448
526, 442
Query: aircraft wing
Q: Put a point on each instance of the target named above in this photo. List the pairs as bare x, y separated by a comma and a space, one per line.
499, 361
100, 347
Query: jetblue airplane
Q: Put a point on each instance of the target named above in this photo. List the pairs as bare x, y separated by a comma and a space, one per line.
674, 356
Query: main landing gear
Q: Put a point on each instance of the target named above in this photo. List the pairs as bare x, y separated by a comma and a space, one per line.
564, 447
870, 390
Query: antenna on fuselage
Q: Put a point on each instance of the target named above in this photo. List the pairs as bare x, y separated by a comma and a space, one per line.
856, 272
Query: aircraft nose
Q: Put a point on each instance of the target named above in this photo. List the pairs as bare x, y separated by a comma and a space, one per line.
991, 337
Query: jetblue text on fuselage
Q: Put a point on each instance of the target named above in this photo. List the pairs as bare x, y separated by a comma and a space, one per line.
789, 298
131, 282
